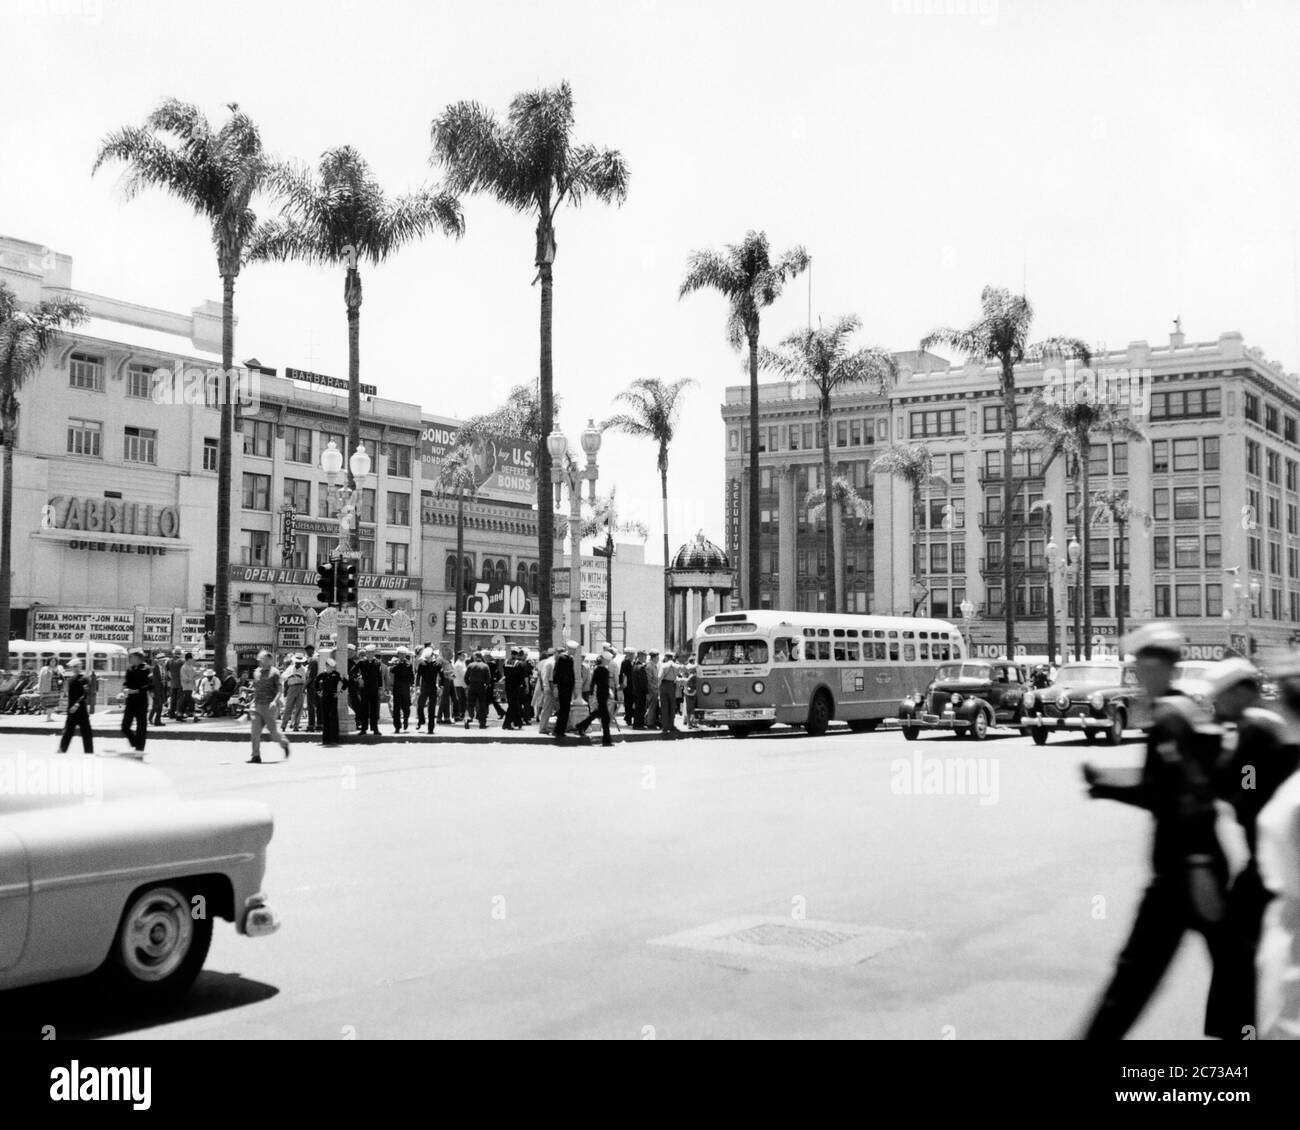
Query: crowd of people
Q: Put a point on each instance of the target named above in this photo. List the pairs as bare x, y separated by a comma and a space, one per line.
1229, 753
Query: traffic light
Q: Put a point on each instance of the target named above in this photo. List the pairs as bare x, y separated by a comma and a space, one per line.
348, 583
327, 579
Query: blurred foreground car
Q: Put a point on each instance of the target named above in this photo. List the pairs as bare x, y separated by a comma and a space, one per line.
1101, 698
104, 868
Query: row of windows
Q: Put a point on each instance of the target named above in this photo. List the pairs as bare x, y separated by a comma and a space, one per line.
297, 493
857, 432
495, 572
255, 549
86, 437
1272, 416
1031, 600
1185, 455
259, 437
1201, 402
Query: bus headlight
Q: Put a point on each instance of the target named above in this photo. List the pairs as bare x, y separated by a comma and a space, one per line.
705, 688
759, 686
1097, 700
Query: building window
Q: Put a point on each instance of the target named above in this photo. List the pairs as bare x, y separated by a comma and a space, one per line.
257, 438
1186, 455
367, 508
1097, 459
297, 445
765, 478
1290, 474
1210, 453
87, 372
85, 437
1214, 600
1187, 552
939, 558
1101, 600
1159, 456
1272, 467
211, 454
1291, 526
140, 445
995, 601
254, 547
1160, 504
1119, 457
945, 422
1213, 551
1162, 601
450, 573
1292, 562
399, 460
1270, 418
1274, 558
1187, 504
1178, 405
297, 493
1251, 409
1187, 600
256, 608
1252, 457
139, 382
366, 547
1160, 552
1254, 554
1099, 553
396, 558
1288, 429
1275, 603
1212, 502
1294, 600
257, 492
298, 558
841, 433
399, 508
1274, 513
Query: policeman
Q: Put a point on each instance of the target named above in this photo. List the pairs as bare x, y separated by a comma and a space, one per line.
1260, 751
1188, 888
640, 690
371, 676
516, 674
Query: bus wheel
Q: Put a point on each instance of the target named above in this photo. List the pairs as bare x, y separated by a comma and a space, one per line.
740, 731
819, 714
863, 725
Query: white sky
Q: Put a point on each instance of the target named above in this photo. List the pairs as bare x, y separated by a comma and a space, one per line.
1134, 160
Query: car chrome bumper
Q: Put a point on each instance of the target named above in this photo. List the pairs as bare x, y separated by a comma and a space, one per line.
933, 722
743, 714
259, 919
1070, 723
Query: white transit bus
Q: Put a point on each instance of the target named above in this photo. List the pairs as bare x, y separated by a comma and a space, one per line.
760, 667
107, 660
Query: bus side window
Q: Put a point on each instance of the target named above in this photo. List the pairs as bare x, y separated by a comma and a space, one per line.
893, 651
786, 650
909, 653
840, 654
851, 651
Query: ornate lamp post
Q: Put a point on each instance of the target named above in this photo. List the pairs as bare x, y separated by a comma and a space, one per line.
565, 471
1239, 613
344, 497
1075, 551
1051, 551
967, 617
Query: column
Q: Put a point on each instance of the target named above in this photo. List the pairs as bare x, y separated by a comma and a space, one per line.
837, 538
787, 523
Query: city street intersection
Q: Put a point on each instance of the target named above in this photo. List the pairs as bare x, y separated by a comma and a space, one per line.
780, 886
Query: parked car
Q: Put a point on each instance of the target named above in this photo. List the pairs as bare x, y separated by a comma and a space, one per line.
105, 869
1101, 697
1191, 677
967, 698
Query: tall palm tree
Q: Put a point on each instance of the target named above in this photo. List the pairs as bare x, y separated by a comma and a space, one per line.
824, 358
530, 163
340, 216
1000, 336
747, 277
217, 173
849, 506
25, 336
1067, 426
1115, 503
912, 463
652, 414
456, 478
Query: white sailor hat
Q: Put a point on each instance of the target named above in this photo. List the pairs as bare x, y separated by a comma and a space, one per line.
572, 645
1158, 637
1228, 673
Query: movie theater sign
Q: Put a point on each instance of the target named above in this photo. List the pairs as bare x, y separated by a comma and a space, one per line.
265, 574
111, 516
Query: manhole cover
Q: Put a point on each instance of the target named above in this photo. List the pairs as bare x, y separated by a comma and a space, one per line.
763, 943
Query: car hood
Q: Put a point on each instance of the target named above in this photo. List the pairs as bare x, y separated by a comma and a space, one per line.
965, 686
1078, 692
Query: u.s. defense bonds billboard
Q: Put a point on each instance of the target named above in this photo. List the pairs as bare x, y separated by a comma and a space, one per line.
505, 467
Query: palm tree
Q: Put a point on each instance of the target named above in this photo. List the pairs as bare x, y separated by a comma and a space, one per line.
531, 164
456, 478
913, 463
1066, 426
25, 336
1115, 502
340, 216
849, 505
652, 414
1000, 336
217, 174
745, 275
824, 358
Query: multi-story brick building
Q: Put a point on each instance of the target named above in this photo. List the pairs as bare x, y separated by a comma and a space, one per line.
1214, 488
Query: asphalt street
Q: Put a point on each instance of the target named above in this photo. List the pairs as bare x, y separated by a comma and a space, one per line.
778, 886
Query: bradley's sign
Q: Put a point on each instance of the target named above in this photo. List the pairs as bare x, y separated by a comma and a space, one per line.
110, 516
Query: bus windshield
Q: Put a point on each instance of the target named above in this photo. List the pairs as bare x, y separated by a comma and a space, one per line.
732, 653
951, 671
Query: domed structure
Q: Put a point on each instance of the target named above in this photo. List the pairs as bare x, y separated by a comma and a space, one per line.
700, 583
700, 553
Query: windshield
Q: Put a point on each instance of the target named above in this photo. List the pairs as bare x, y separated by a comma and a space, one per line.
733, 653
950, 671
1073, 674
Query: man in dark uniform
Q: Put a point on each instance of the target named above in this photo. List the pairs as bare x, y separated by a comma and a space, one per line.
174, 666
600, 683
564, 678
428, 684
78, 720
371, 675
157, 689
516, 674
1259, 753
313, 670
478, 685
625, 686
640, 690
446, 689
135, 710
401, 679
1188, 889
353, 683
328, 681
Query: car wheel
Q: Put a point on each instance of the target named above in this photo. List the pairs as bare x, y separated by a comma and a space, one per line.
909, 732
1039, 734
1089, 736
160, 945
979, 726
1115, 734
819, 714
863, 725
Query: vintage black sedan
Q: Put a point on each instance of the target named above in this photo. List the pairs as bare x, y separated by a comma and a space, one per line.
966, 698
1098, 698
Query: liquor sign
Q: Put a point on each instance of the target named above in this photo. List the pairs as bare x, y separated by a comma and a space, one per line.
308, 377
263, 574
484, 624
103, 627
505, 468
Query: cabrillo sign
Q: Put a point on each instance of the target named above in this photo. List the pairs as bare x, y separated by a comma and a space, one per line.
111, 516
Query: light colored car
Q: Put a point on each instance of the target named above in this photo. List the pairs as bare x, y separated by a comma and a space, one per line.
104, 868
1191, 677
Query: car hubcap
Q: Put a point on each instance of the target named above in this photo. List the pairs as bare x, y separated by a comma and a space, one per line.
157, 934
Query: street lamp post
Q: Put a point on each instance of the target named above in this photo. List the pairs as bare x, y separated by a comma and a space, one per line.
1241, 611
566, 472
344, 496
1075, 551
1051, 551
967, 616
